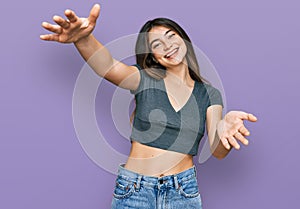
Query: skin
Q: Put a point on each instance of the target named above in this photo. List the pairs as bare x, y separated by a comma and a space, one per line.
223, 133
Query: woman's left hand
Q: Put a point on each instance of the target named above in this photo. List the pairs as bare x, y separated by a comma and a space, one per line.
232, 129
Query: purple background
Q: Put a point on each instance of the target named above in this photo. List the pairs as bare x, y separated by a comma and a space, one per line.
255, 48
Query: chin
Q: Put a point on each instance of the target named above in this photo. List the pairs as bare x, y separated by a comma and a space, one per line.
175, 62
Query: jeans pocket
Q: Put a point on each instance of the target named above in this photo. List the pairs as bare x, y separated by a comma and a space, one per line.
124, 188
189, 188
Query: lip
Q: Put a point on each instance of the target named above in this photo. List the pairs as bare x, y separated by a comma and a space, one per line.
171, 53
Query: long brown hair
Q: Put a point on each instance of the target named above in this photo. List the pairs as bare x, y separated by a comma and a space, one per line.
145, 59
144, 56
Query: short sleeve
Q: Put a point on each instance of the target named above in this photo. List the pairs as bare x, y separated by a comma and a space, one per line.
142, 78
214, 96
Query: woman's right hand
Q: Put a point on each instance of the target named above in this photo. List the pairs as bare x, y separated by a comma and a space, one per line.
72, 29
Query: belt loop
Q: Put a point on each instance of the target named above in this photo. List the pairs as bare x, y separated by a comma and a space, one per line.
138, 183
176, 182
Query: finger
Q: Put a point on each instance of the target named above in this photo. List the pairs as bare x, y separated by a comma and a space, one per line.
61, 22
252, 118
240, 137
225, 143
53, 28
234, 129
49, 37
71, 16
239, 114
94, 13
243, 130
246, 116
233, 142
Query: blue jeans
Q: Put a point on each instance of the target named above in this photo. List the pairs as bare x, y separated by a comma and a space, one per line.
133, 190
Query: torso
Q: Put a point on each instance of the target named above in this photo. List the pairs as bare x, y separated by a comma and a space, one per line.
157, 162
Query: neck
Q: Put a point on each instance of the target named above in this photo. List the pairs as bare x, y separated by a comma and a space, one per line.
180, 73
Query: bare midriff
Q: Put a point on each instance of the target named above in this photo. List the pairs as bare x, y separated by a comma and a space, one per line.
156, 162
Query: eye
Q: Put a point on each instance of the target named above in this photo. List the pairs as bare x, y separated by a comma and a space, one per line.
171, 35
155, 45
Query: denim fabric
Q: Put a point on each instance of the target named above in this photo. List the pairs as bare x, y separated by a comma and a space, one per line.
178, 191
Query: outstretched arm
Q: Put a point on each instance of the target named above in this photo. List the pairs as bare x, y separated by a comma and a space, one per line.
79, 31
225, 133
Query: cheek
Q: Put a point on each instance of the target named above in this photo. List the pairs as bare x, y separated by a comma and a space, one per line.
184, 49
157, 55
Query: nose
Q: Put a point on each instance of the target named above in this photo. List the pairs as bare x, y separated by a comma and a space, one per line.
167, 45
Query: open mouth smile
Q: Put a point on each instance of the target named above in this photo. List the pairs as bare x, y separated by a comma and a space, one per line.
171, 53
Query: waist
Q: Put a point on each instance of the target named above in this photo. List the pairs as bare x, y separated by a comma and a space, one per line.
153, 161
152, 181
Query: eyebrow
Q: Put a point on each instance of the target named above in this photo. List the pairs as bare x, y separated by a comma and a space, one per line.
157, 38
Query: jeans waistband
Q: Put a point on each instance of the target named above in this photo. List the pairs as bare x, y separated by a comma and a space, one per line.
169, 180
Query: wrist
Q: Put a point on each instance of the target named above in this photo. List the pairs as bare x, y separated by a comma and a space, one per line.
83, 41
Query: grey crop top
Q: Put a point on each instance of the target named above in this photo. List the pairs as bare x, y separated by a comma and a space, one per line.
157, 124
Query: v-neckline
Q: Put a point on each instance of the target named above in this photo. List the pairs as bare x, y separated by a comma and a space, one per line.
187, 101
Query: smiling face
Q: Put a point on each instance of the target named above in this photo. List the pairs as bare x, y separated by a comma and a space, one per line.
167, 47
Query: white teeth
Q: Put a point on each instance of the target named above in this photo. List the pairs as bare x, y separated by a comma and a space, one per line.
171, 53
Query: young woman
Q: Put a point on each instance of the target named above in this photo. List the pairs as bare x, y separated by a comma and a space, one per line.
173, 105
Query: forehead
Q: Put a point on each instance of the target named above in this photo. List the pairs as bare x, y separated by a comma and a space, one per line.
157, 32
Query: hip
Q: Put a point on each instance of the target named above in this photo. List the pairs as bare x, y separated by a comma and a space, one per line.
135, 190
